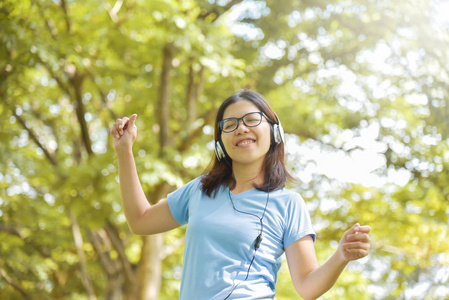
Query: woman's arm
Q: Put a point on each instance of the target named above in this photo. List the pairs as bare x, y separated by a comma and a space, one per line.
142, 218
311, 280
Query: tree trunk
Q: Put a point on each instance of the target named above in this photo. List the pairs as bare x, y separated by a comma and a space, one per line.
149, 273
193, 91
149, 270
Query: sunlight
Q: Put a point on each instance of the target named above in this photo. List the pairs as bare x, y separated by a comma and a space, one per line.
442, 13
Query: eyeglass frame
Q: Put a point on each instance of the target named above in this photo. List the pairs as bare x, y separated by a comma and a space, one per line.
261, 113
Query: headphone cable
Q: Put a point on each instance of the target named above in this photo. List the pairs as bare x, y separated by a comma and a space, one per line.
259, 237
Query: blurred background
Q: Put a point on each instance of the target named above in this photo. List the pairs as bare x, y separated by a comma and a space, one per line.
361, 88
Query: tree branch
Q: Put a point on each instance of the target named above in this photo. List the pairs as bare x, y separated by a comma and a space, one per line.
216, 13
78, 238
11, 230
112, 11
34, 137
50, 25
164, 97
77, 80
129, 12
104, 103
15, 285
111, 230
160, 191
105, 260
53, 75
188, 142
66, 15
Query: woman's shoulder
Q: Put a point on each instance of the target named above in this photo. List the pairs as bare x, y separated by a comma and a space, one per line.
190, 186
196, 182
287, 196
287, 193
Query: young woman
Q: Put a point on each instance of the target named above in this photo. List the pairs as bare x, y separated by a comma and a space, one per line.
240, 216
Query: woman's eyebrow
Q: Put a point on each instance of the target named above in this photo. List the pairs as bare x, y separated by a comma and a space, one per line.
241, 115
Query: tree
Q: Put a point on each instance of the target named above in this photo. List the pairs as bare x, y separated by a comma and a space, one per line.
69, 69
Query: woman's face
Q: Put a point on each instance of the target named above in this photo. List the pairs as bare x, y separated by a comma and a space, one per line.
246, 145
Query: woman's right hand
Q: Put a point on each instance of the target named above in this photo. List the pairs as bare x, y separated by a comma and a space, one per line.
124, 132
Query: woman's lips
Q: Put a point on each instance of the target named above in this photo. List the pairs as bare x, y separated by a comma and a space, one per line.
245, 143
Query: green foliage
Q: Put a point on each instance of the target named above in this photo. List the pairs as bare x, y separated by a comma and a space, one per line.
346, 78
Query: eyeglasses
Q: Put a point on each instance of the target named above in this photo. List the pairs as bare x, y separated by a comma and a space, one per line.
251, 119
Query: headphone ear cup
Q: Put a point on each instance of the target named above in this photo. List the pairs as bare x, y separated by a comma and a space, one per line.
219, 150
278, 133
281, 133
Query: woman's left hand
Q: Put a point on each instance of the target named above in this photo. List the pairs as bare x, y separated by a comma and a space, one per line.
355, 243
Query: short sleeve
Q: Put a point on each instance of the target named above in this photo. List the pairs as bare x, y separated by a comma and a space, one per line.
178, 201
298, 223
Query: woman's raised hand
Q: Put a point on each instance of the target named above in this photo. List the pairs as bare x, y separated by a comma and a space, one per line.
124, 132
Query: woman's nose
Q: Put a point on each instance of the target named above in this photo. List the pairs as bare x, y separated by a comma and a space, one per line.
241, 127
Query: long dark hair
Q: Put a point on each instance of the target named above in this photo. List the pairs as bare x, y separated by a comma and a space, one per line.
275, 173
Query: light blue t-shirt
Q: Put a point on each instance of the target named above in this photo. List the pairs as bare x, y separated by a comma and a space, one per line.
220, 241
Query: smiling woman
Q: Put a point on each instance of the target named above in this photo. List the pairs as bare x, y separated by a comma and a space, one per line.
240, 217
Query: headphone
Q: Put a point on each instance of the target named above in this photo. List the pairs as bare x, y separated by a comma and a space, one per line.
277, 137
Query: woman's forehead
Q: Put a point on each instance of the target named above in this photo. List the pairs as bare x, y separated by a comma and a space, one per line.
239, 109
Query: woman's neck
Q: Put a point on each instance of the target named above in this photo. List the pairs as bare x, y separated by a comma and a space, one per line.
246, 177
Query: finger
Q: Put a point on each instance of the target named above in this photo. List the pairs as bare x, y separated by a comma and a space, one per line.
117, 125
357, 245
124, 122
114, 131
123, 125
363, 237
355, 228
364, 229
350, 231
132, 120
358, 252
